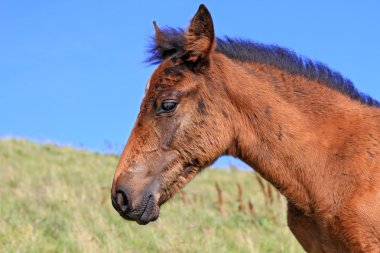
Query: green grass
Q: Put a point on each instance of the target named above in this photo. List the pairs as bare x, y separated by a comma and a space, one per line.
56, 199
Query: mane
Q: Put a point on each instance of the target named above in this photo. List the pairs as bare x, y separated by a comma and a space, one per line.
273, 55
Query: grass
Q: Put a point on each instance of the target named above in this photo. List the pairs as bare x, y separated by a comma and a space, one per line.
56, 199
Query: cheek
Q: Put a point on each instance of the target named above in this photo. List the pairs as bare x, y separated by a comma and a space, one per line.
203, 139
186, 132
176, 132
168, 128
195, 135
192, 136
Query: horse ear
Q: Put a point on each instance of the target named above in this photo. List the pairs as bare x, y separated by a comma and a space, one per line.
159, 35
200, 36
165, 43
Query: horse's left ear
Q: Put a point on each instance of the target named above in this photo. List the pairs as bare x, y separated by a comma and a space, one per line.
200, 36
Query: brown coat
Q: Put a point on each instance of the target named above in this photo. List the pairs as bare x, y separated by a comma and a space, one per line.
318, 146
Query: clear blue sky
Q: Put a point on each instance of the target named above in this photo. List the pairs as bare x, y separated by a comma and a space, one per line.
72, 71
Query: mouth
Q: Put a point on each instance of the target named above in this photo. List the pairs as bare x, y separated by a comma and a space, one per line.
150, 212
145, 213
149, 209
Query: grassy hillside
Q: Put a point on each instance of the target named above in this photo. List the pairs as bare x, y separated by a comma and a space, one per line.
56, 199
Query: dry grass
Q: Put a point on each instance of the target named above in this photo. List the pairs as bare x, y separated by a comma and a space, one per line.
56, 199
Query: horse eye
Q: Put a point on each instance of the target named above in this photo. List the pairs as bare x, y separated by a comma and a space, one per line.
168, 106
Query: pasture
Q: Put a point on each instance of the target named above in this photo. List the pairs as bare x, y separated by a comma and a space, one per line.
57, 199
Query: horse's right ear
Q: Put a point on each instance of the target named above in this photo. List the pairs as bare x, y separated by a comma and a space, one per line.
159, 37
166, 43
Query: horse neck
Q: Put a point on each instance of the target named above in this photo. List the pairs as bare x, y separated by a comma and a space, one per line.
283, 127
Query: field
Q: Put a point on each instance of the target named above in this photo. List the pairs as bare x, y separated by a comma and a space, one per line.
56, 199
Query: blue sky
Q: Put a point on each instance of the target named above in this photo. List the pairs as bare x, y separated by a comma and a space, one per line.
72, 72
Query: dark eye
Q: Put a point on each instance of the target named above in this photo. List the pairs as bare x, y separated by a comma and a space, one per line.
168, 105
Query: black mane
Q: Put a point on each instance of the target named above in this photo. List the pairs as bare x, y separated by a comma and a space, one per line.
273, 55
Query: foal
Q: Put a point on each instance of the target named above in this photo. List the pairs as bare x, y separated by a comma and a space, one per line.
302, 126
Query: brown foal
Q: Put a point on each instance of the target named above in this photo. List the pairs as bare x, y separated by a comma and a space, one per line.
302, 126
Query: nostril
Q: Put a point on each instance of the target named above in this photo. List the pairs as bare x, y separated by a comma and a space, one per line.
122, 201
